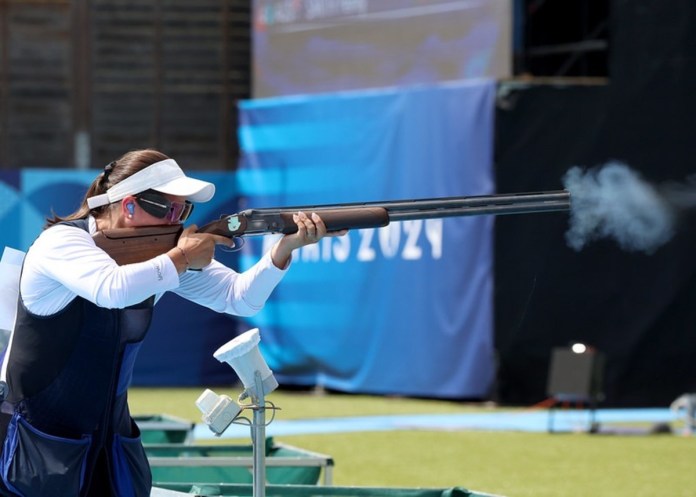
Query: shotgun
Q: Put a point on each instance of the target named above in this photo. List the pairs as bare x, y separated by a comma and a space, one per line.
129, 245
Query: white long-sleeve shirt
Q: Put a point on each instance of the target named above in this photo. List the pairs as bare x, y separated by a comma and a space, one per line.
64, 263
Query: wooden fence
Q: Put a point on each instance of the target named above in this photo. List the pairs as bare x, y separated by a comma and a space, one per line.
81, 82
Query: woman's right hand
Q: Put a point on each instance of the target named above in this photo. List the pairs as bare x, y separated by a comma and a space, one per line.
195, 250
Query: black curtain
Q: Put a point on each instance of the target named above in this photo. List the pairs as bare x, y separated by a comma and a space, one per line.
638, 309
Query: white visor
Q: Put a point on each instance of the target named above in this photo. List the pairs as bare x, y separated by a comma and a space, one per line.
165, 176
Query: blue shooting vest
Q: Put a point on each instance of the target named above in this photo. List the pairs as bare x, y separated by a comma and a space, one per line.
69, 432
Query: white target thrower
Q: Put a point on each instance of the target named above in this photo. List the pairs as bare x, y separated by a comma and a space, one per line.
243, 355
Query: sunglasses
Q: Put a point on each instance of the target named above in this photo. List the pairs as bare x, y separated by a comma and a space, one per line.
159, 206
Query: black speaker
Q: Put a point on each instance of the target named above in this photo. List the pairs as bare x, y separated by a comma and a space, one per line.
575, 376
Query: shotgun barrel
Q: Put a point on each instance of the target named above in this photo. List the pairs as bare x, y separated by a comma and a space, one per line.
377, 214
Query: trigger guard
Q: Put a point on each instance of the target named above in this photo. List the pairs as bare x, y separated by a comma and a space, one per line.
238, 244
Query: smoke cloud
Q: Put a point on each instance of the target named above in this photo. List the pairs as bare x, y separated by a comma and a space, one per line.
681, 195
616, 202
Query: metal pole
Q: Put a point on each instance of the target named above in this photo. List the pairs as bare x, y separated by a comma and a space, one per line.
82, 63
258, 438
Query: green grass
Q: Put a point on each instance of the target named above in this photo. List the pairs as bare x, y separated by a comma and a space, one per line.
506, 463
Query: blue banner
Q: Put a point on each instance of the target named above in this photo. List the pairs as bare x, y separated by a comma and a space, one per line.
405, 309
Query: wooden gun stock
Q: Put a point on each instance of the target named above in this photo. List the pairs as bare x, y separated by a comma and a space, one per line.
130, 245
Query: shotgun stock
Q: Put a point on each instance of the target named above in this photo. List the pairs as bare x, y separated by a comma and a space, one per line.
129, 245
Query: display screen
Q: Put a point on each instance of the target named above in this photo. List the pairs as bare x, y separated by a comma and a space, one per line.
315, 46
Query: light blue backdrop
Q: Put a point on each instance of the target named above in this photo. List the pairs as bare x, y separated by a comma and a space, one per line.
405, 309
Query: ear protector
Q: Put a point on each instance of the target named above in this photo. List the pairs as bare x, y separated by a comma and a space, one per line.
130, 207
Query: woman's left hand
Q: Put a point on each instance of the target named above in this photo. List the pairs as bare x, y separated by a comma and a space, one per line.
310, 229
